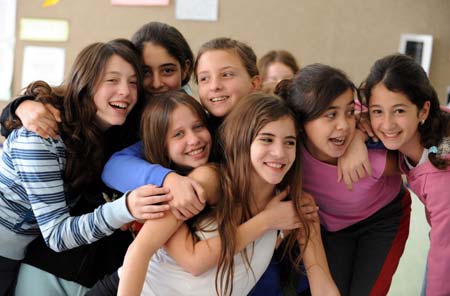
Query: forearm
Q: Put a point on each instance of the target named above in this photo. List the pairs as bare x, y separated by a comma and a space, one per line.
199, 257
127, 170
63, 232
8, 115
316, 265
152, 236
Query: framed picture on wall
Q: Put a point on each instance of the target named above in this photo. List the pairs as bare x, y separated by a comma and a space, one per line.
419, 47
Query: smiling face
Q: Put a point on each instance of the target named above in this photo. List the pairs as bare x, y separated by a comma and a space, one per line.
395, 120
162, 71
329, 135
116, 93
222, 81
272, 152
188, 141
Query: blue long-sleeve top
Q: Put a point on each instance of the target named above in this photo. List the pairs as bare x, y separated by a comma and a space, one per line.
127, 170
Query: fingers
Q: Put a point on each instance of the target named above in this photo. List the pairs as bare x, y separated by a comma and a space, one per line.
368, 167
282, 195
55, 112
45, 129
199, 192
148, 202
179, 215
348, 182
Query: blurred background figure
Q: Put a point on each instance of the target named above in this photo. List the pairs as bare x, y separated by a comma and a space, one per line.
275, 66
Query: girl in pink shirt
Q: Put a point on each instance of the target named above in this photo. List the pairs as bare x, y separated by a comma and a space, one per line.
364, 230
405, 115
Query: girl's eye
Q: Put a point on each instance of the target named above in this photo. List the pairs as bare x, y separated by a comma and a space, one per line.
203, 79
228, 74
199, 126
399, 111
178, 134
266, 140
168, 71
112, 80
330, 115
375, 112
147, 71
133, 82
290, 143
351, 112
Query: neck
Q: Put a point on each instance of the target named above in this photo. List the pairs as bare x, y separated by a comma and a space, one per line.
261, 192
413, 149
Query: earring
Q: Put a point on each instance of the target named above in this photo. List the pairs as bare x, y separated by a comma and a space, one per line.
422, 122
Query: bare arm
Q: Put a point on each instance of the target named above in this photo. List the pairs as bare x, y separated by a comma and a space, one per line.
202, 256
152, 236
353, 165
316, 265
39, 118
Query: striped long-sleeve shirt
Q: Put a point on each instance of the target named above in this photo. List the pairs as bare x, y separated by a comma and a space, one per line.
32, 199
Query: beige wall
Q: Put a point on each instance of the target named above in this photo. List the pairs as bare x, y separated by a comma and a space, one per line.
349, 34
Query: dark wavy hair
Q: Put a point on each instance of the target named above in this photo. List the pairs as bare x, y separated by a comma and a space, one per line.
312, 90
401, 73
237, 133
84, 141
171, 39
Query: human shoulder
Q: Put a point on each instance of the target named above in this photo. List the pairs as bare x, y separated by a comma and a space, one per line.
23, 139
208, 176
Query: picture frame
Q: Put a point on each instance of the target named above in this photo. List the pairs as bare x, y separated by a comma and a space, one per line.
419, 47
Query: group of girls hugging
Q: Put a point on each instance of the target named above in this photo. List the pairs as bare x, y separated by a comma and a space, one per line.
120, 182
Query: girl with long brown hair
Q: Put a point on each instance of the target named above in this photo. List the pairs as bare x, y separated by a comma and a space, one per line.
41, 179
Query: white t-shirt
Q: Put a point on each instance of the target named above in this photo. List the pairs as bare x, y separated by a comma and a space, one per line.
166, 277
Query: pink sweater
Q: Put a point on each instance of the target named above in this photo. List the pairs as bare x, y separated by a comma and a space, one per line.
432, 186
339, 207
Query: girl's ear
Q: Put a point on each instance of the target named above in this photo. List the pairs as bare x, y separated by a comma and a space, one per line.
425, 111
256, 82
186, 68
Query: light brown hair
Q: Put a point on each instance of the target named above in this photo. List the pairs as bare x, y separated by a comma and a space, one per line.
237, 133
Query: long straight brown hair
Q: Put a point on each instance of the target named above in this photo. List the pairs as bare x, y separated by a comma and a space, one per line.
237, 133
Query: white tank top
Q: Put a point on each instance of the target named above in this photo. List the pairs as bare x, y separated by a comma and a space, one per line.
166, 277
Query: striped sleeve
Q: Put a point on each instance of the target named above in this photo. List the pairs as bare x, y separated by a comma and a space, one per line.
40, 165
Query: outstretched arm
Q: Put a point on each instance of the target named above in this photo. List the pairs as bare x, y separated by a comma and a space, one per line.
127, 170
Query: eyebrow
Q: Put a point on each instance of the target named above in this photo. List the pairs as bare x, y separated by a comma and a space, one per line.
167, 64
336, 107
272, 135
396, 105
117, 73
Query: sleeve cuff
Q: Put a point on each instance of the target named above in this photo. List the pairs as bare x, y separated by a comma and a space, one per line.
117, 213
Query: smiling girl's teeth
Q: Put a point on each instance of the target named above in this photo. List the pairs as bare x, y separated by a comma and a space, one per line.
390, 134
337, 141
218, 99
122, 106
274, 165
195, 152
